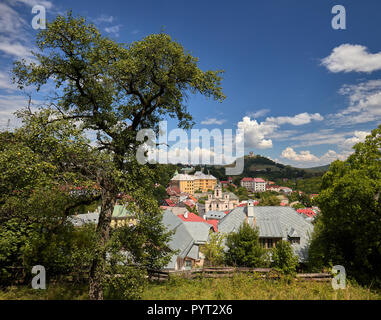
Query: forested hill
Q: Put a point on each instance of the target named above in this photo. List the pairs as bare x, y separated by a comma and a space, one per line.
259, 166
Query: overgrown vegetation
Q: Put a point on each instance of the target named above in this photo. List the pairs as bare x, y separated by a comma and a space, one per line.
348, 230
239, 287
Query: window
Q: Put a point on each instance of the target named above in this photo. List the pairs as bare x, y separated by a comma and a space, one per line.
295, 240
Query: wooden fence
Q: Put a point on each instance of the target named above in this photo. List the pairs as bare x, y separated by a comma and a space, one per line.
261, 273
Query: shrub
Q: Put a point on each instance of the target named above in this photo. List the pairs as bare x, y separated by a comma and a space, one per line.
244, 249
283, 258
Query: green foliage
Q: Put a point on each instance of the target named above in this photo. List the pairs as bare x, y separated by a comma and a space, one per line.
283, 258
268, 199
114, 90
309, 185
241, 193
297, 206
160, 193
348, 230
244, 249
214, 250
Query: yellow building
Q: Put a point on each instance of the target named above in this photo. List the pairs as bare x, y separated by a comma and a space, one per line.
192, 183
122, 217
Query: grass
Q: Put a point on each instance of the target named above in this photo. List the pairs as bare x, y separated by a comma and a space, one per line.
239, 287
243, 287
52, 292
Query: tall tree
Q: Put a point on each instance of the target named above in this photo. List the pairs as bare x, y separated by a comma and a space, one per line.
348, 230
115, 90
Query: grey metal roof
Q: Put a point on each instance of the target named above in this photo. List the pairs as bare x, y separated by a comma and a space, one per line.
194, 253
81, 219
272, 222
170, 220
181, 240
215, 215
198, 230
269, 228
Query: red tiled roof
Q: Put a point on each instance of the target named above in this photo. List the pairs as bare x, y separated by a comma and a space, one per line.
192, 198
192, 217
173, 191
214, 223
169, 202
189, 203
247, 179
308, 212
259, 180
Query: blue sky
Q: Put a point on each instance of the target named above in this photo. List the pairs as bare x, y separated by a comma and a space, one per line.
303, 92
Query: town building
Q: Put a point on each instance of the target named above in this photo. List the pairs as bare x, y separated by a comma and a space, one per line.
120, 217
188, 236
220, 201
274, 224
254, 184
192, 183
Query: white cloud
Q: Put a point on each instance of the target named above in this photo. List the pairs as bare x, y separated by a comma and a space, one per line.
15, 49
297, 120
104, 18
9, 104
359, 136
303, 156
348, 57
210, 121
11, 24
14, 38
259, 113
5, 82
344, 144
364, 104
255, 133
343, 140
259, 134
32, 3
114, 30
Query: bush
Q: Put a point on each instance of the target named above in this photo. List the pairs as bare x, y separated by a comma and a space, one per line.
125, 283
244, 249
283, 258
214, 250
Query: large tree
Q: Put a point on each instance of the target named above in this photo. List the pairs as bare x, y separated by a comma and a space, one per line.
114, 90
348, 230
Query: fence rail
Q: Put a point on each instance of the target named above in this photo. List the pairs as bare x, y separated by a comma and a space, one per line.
267, 273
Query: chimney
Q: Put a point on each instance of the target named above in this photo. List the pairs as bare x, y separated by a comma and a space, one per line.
250, 209
186, 215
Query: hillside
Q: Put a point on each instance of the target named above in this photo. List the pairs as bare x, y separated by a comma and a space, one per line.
259, 166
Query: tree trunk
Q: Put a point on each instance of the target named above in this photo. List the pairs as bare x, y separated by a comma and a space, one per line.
103, 231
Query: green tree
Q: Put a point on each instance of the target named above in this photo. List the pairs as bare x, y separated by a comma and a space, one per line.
40, 170
283, 258
115, 90
214, 250
269, 200
348, 230
244, 249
